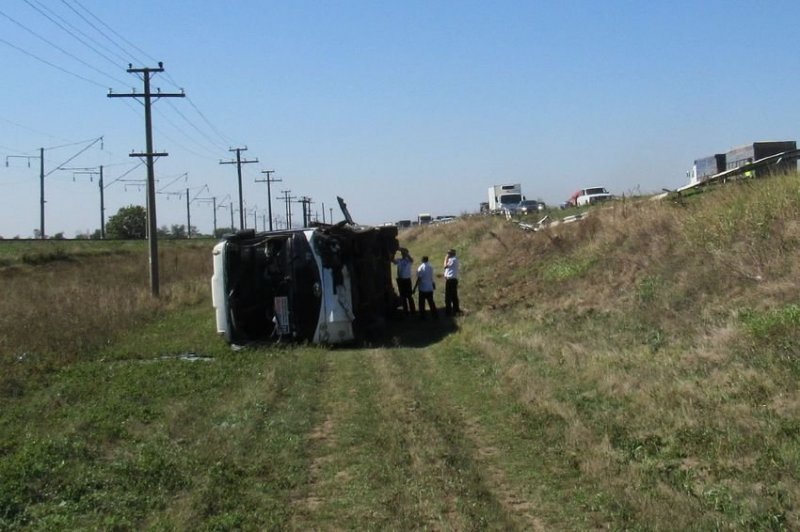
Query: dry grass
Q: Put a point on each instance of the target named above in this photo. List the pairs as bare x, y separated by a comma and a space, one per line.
57, 311
607, 373
664, 337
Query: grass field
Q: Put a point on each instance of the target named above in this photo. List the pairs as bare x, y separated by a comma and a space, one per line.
636, 370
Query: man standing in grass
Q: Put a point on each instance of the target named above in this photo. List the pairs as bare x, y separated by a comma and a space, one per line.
426, 287
404, 281
450, 266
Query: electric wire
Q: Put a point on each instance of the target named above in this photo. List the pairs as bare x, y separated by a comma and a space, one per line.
101, 32
166, 75
40, 8
74, 30
59, 48
202, 133
225, 138
46, 62
74, 156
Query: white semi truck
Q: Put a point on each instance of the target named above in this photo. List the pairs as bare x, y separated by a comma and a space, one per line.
504, 197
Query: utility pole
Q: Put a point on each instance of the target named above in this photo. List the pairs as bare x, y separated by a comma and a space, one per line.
41, 184
268, 181
206, 201
90, 172
288, 199
239, 162
41, 193
150, 155
306, 202
188, 216
323, 212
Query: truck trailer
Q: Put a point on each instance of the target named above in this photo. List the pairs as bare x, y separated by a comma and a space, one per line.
749, 153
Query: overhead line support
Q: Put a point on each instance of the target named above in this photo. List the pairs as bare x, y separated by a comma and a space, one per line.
147, 95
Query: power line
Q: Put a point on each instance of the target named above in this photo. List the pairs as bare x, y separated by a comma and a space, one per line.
95, 141
46, 62
101, 32
191, 123
217, 131
226, 140
60, 49
71, 31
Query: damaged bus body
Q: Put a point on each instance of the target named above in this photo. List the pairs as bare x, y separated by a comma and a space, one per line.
327, 284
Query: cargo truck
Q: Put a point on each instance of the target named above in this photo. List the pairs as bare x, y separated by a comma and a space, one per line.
327, 284
504, 197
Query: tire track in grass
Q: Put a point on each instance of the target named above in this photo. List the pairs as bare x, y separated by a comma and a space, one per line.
253, 458
309, 497
422, 444
356, 477
459, 468
484, 452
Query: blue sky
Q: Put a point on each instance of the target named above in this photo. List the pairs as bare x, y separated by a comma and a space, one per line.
399, 107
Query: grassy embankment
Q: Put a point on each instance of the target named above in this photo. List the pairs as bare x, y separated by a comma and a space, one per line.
637, 369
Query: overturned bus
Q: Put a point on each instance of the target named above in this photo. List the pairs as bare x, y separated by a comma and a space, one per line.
327, 284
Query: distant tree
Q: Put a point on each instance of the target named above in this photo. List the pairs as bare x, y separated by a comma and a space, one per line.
97, 235
37, 234
58, 236
178, 231
130, 223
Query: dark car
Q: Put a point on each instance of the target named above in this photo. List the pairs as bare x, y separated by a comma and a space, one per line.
529, 207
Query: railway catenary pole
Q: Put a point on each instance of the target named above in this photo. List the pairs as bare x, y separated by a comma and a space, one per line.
150, 155
306, 202
214, 199
41, 193
288, 199
268, 181
188, 216
90, 172
239, 162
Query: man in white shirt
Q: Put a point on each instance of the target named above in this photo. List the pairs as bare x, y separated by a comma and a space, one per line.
426, 287
451, 305
404, 264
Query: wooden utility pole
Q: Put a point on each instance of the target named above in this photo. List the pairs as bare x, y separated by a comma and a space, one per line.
268, 181
288, 199
150, 155
306, 202
239, 162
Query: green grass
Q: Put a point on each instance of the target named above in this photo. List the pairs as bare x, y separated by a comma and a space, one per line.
636, 370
